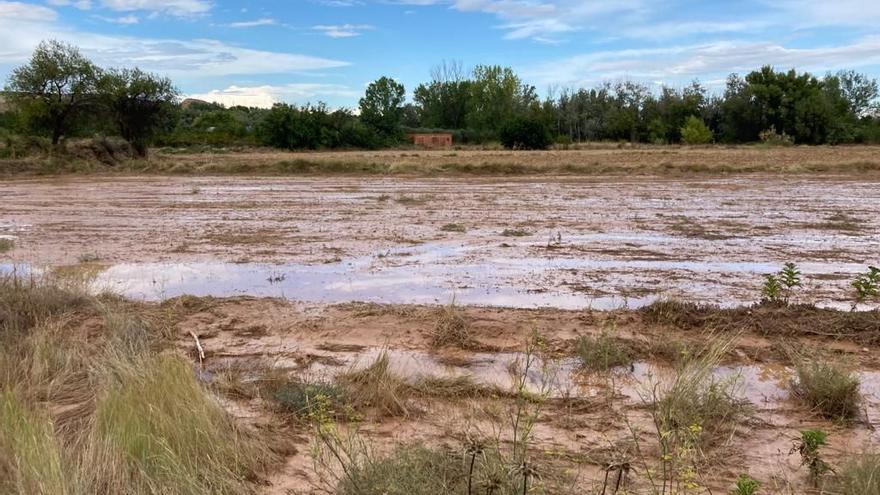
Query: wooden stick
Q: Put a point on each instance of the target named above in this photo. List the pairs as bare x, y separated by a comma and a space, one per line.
199, 348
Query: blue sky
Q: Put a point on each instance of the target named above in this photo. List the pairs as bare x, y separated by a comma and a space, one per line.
328, 50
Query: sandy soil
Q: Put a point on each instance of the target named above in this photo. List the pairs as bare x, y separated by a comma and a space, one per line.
588, 416
563, 242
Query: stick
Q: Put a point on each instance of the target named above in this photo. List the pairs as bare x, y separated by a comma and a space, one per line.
199, 348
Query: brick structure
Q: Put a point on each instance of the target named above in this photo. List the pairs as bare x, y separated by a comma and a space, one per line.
432, 140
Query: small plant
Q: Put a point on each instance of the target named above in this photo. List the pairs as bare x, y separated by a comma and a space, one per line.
602, 353
453, 227
301, 399
695, 131
6, 245
828, 389
745, 485
866, 286
515, 233
376, 387
779, 287
808, 447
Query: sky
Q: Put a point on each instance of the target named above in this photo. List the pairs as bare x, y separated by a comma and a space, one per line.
300, 51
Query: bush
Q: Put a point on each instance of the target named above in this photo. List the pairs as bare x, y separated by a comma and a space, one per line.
859, 476
524, 133
831, 391
695, 131
302, 399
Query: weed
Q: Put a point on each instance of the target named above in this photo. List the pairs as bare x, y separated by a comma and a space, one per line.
515, 233
6, 245
779, 288
860, 475
452, 328
745, 485
301, 399
603, 353
376, 387
808, 447
866, 285
453, 227
828, 389
88, 258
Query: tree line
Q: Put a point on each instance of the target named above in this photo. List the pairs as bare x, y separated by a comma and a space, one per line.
59, 93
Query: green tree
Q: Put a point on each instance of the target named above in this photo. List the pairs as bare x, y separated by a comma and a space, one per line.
382, 106
525, 133
55, 88
695, 131
140, 104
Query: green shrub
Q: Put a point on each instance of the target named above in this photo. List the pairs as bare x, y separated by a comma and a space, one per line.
302, 399
695, 131
523, 133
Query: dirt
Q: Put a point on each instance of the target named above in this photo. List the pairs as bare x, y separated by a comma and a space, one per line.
278, 266
599, 243
587, 417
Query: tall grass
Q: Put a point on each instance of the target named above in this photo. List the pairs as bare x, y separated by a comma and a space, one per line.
377, 388
858, 476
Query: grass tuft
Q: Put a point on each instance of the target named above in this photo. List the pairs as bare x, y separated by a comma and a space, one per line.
303, 399
376, 387
452, 329
858, 476
6, 245
828, 389
602, 353
453, 227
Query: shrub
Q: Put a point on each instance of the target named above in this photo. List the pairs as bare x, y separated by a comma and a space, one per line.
409, 470
376, 387
695, 131
6, 245
523, 133
602, 353
831, 391
773, 138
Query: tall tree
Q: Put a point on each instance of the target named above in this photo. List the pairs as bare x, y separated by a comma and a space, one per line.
55, 88
139, 103
382, 106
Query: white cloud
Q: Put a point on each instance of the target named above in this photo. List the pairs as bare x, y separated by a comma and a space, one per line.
258, 22
172, 7
18, 11
342, 30
682, 62
80, 4
824, 13
124, 20
183, 60
267, 95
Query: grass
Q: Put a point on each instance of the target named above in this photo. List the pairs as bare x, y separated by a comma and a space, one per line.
860, 475
376, 388
302, 399
104, 410
452, 328
602, 353
453, 227
696, 407
6, 245
515, 233
408, 470
827, 389
452, 387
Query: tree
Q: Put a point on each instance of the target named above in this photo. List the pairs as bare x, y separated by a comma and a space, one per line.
140, 104
695, 131
55, 88
525, 133
859, 91
382, 106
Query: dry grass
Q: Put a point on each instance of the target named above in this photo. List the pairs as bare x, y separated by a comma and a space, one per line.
103, 411
376, 388
828, 389
860, 475
603, 353
600, 160
452, 328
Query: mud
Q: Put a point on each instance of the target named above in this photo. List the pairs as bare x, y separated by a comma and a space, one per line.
558, 242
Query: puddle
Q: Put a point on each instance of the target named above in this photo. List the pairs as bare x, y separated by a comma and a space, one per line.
435, 273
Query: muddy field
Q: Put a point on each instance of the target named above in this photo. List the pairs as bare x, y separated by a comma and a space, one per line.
485, 297
565, 242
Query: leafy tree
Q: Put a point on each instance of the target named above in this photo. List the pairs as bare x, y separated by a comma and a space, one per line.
55, 88
695, 131
525, 133
382, 106
140, 104
496, 95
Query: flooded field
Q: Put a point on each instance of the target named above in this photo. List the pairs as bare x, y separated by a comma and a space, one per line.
443, 312
566, 243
